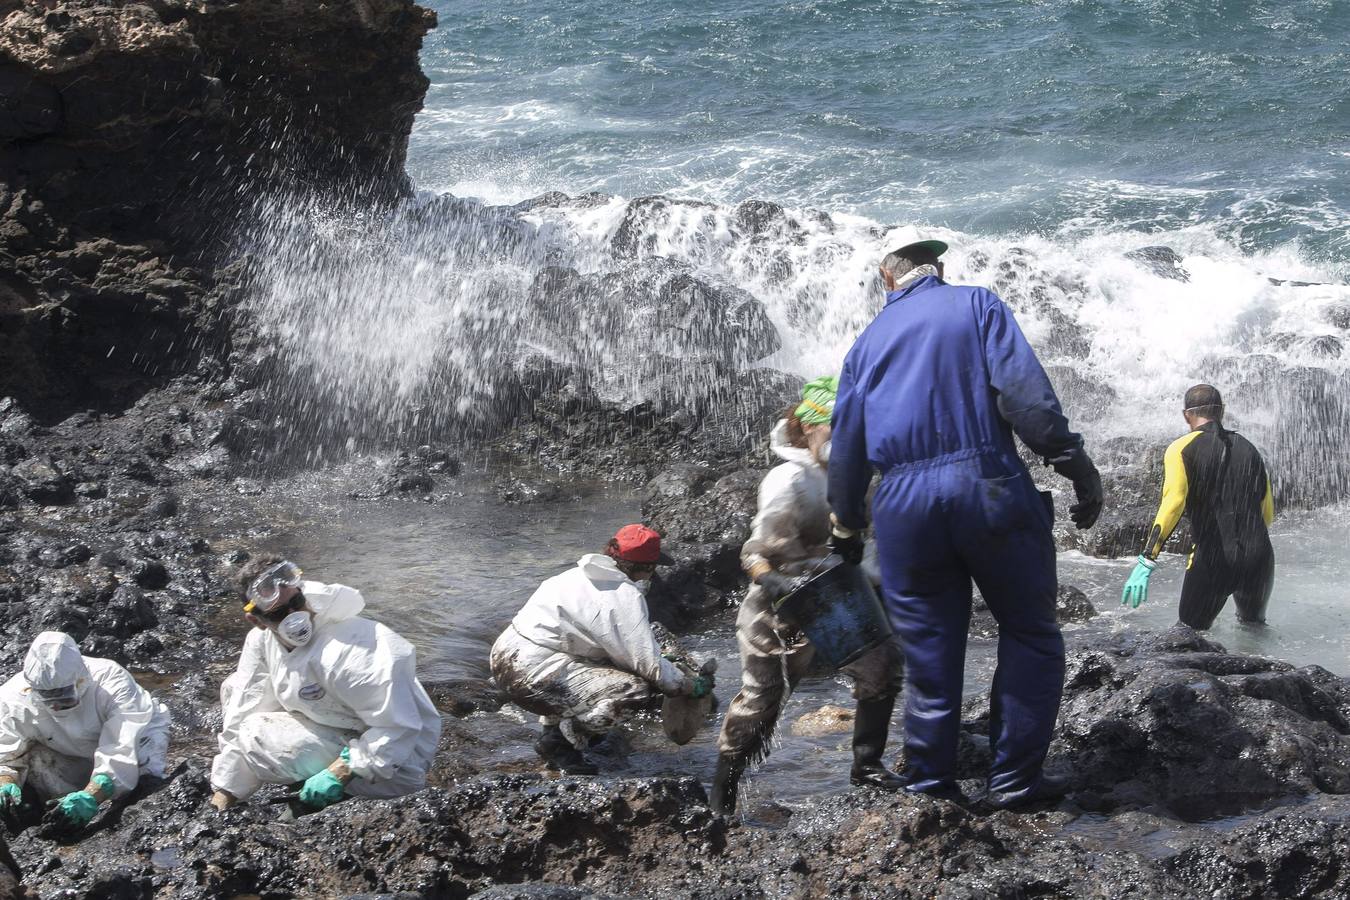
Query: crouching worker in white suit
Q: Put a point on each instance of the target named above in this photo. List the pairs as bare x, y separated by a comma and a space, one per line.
321, 696
582, 655
77, 728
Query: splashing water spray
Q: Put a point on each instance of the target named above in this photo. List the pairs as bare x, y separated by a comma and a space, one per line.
446, 317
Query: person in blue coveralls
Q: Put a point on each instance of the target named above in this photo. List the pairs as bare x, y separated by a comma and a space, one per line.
930, 397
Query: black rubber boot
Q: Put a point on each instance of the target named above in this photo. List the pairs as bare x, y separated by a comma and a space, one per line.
871, 727
1050, 789
726, 783
558, 752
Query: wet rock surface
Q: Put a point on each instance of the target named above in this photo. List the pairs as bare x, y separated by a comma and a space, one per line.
1175, 721
1153, 725
99, 542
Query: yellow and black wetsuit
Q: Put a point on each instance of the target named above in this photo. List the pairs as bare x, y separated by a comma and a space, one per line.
1219, 481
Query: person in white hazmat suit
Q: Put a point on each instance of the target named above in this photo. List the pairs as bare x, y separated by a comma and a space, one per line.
581, 654
77, 728
322, 696
789, 535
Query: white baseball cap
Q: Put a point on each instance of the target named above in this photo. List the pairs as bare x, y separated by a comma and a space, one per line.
907, 236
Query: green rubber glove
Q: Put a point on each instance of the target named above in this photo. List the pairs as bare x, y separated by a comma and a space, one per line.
10, 794
79, 807
703, 686
321, 789
1136, 588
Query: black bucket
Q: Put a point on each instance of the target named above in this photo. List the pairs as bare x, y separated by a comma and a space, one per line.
839, 612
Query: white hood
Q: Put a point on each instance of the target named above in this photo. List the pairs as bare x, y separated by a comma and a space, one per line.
332, 603
779, 444
601, 568
54, 661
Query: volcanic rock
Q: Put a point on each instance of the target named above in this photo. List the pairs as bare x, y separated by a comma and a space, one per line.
135, 140
1176, 721
1161, 261
42, 481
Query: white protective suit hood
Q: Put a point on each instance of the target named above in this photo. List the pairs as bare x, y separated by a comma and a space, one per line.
791, 528
54, 661
332, 603
783, 449
600, 567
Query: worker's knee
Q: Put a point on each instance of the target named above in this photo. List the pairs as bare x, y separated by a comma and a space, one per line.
262, 734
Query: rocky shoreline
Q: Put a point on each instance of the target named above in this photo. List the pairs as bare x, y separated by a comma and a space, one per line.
1164, 736
139, 397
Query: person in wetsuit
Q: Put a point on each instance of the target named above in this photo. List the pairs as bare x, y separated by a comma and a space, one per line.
1218, 480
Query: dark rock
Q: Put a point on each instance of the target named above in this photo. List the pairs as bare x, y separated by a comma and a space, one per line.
13, 420
1161, 261
163, 506
61, 557
679, 483
136, 141
150, 574
11, 491
1325, 346
718, 513
43, 481
1072, 605
529, 490
209, 463
704, 523
645, 218
465, 697
438, 461
71, 618
540, 892
1174, 720
1287, 856
758, 216
127, 613
1338, 314
402, 478
91, 490
1083, 398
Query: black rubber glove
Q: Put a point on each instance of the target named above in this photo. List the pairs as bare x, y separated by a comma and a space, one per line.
775, 586
850, 548
1087, 485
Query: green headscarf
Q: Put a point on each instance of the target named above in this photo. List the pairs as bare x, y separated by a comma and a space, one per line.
817, 404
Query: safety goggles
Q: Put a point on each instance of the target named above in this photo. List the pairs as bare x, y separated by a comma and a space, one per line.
265, 591
59, 698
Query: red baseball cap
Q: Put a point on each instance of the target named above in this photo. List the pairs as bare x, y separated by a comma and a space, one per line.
640, 544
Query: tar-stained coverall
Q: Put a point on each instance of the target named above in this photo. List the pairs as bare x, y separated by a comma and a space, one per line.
930, 395
790, 533
581, 653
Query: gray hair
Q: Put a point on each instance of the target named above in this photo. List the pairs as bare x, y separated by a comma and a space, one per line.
902, 261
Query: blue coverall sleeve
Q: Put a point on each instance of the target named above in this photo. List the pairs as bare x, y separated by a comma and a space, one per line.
1026, 400
850, 471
